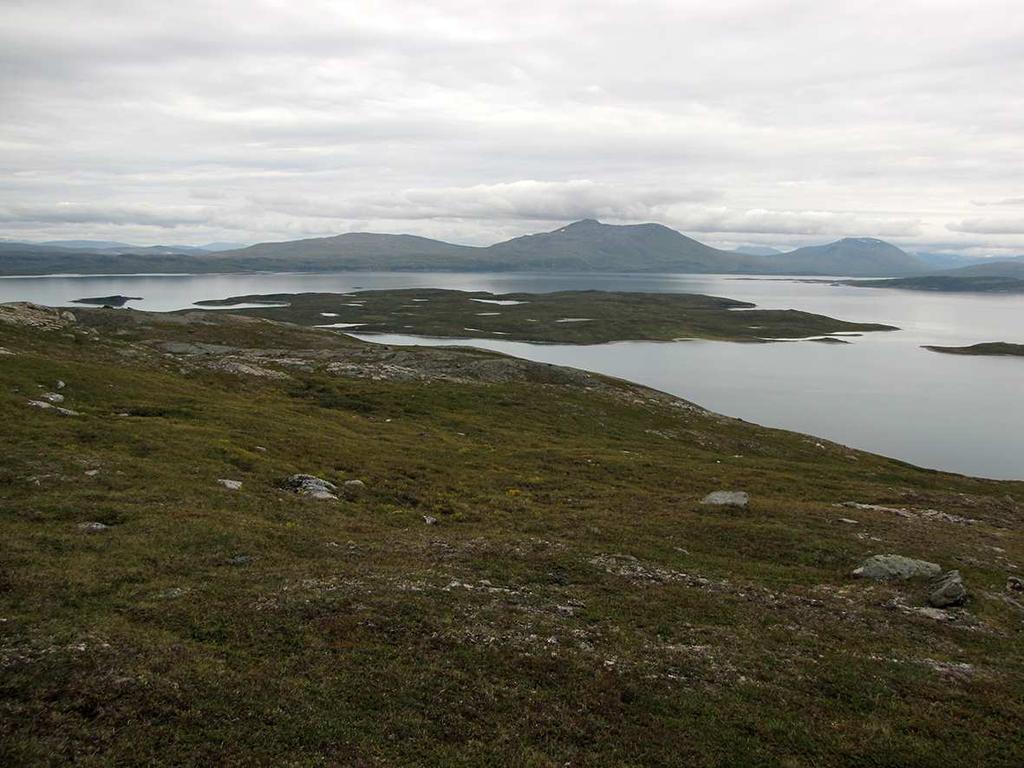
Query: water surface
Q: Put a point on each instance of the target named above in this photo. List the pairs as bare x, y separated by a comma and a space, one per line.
881, 392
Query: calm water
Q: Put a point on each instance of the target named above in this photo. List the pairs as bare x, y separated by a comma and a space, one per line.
882, 392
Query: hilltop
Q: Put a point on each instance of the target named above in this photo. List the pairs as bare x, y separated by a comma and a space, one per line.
233, 541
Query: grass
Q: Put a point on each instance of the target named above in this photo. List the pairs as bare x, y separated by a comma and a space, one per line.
567, 317
518, 630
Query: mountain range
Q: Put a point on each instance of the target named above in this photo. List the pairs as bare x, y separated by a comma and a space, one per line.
583, 246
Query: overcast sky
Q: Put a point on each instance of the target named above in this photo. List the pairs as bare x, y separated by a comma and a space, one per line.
751, 121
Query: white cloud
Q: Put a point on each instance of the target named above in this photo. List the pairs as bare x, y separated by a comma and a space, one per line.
806, 119
989, 226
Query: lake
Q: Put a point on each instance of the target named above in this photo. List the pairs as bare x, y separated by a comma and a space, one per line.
882, 392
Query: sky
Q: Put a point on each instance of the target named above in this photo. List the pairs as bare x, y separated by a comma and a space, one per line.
781, 122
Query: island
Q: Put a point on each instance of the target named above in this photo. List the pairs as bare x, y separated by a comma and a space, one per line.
564, 317
946, 284
107, 301
995, 348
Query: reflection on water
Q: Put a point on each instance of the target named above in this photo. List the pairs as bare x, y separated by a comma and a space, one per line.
881, 392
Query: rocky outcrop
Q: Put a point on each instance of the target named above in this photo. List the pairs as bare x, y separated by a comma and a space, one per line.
30, 315
726, 499
895, 568
312, 486
948, 590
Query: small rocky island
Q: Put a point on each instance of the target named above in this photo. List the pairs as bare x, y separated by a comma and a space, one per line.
992, 348
565, 317
107, 301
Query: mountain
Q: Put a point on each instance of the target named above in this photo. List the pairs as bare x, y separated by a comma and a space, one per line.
583, 246
852, 256
85, 245
221, 246
358, 250
590, 246
757, 250
992, 268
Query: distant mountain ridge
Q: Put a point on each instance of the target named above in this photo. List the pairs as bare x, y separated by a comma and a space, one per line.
582, 246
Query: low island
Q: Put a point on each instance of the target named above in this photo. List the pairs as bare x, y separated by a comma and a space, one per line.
990, 348
566, 317
107, 301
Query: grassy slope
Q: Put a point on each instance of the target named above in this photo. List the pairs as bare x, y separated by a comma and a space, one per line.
986, 348
357, 635
609, 316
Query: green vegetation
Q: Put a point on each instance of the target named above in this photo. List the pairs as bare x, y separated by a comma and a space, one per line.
986, 348
568, 317
574, 603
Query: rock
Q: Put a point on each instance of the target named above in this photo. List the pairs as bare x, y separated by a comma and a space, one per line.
240, 560
726, 499
895, 567
31, 315
41, 404
948, 590
430, 520
1014, 584
173, 593
354, 486
60, 384
231, 485
5, 351
52, 397
261, 449
314, 487
848, 521
91, 472
93, 527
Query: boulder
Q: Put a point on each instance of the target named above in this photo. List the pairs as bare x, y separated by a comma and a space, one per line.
52, 397
93, 527
948, 590
430, 520
895, 568
314, 487
726, 499
1014, 584
231, 485
43, 405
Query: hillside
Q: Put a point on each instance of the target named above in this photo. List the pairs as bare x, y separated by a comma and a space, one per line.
510, 564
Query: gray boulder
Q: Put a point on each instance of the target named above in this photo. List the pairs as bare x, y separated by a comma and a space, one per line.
948, 590
231, 485
93, 527
314, 487
726, 499
895, 568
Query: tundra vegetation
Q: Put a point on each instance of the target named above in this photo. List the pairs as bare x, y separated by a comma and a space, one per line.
451, 557
566, 317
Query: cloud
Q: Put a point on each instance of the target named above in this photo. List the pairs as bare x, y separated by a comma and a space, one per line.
529, 200
761, 221
93, 213
477, 120
989, 226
